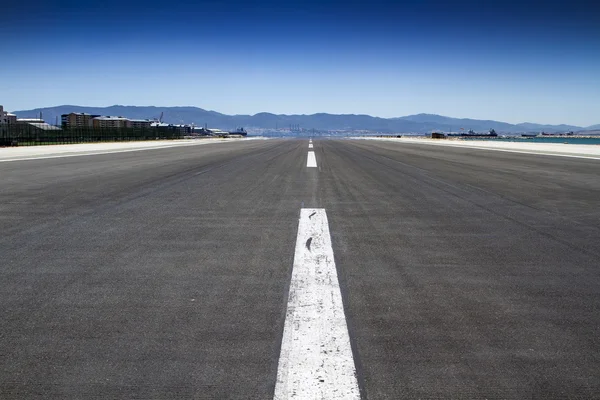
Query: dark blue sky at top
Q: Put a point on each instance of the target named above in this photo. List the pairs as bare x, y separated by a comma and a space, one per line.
511, 60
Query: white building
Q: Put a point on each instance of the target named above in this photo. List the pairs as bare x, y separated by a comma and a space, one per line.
30, 121
35, 124
184, 129
217, 132
6, 117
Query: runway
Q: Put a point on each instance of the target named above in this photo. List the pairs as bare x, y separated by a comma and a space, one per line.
166, 273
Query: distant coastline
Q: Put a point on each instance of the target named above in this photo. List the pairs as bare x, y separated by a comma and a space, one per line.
302, 125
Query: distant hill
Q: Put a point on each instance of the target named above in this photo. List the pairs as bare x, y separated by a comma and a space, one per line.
438, 122
549, 128
420, 123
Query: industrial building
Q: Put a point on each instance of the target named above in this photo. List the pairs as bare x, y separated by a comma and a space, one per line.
35, 125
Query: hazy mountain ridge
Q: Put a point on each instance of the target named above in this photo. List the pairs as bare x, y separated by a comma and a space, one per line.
419, 123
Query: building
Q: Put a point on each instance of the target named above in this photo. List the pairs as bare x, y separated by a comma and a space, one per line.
29, 126
110, 122
217, 132
37, 126
182, 129
201, 131
140, 123
22, 121
77, 120
179, 128
156, 124
6, 117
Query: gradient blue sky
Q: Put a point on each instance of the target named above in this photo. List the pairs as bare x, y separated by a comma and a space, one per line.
514, 61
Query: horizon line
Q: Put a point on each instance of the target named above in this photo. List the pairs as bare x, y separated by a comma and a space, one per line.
288, 115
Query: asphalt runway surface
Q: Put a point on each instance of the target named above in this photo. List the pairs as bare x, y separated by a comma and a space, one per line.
164, 274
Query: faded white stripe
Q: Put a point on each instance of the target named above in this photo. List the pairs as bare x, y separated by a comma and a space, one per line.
311, 161
316, 358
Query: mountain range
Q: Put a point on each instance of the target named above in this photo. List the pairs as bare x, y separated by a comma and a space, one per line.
419, 123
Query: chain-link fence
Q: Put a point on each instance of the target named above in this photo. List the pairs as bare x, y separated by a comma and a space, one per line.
30, 135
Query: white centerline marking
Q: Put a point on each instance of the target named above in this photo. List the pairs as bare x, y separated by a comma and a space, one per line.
310, 145
311, 161
316, 358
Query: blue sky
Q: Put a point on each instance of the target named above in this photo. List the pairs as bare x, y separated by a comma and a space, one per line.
514, 61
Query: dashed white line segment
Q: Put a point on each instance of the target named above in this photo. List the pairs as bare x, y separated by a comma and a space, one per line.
316, 358
310, 145
311, 161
